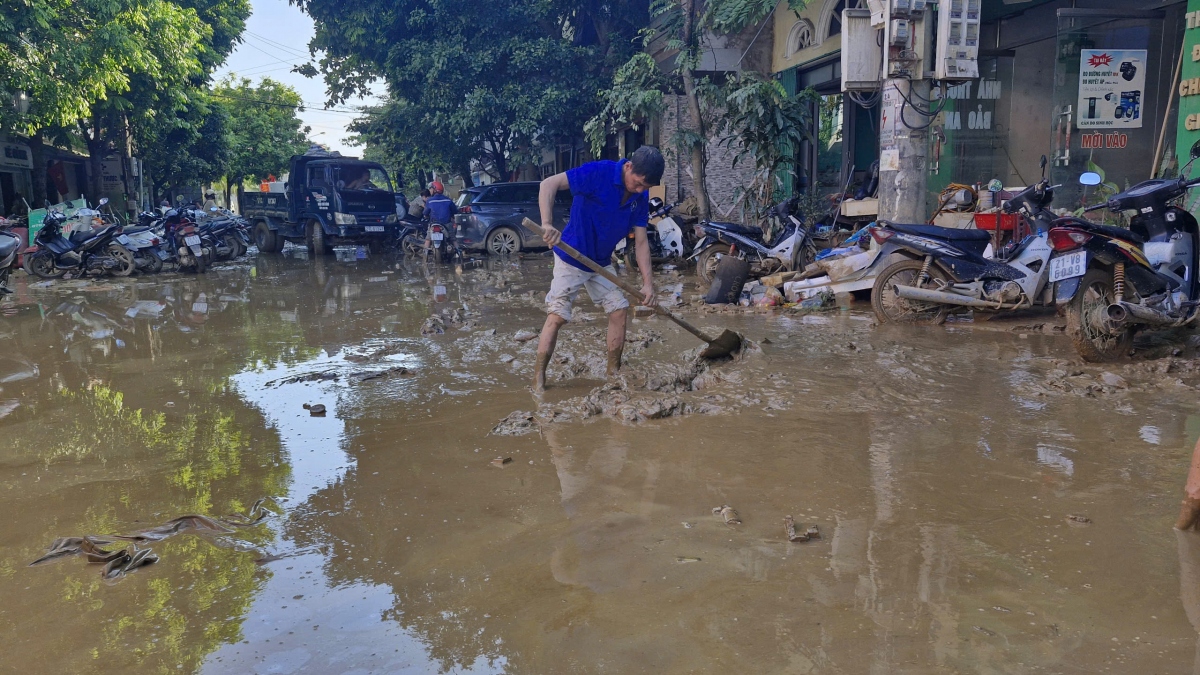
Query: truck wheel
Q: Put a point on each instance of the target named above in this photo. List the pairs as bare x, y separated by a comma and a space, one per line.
266, 240
316, 238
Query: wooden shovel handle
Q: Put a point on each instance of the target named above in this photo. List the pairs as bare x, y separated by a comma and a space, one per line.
621, 283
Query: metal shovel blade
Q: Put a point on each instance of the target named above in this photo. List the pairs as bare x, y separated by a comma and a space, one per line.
726, 343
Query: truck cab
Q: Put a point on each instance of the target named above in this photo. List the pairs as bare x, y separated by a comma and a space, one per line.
326, 202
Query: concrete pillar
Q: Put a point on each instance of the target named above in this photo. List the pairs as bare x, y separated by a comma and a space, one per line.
903, 165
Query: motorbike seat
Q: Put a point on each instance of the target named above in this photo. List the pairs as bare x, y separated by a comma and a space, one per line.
8, 244
943, 233
738, 228
1106, 230
80, 236
136, 230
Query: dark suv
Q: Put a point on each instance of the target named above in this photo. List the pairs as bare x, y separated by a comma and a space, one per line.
489, 217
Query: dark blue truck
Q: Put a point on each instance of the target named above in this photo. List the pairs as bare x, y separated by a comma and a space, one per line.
327, 201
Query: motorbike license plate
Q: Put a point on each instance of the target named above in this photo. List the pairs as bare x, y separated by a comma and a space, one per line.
1068, 266
122, 239
374, 228
163, 255
436, 236
193, 240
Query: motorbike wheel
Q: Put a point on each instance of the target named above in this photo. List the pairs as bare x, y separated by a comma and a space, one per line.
437, 255
201, 263
154, 264
124, 258
503, 241
235, 247
1085, 319
891, 308
706, 262
412, 246
41, 265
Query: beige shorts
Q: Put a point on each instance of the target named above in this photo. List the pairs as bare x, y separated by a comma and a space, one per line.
565, 286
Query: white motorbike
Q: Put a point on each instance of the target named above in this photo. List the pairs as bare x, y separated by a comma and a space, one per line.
665, 236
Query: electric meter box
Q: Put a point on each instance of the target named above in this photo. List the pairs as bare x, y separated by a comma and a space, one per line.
900, 33
957, 40
862, 57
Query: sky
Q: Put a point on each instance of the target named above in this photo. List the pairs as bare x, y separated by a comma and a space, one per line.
276, 39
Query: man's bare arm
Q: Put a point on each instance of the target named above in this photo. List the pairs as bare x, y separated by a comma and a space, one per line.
641, 250
549, 188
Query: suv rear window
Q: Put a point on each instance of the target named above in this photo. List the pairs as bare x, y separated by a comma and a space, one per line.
467, 197
511, 193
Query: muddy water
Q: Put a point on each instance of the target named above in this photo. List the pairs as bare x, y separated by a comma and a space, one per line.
939, 465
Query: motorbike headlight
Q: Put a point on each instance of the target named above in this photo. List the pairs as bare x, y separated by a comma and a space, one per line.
345, 219
392, 218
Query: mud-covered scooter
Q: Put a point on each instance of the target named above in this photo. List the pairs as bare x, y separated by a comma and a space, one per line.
1112, 281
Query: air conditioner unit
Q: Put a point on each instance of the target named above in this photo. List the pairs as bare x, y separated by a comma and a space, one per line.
862, 57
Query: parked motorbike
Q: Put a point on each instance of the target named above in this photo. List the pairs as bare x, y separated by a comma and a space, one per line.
666, 237
944, 268
102, 249
186, 243
441, 241
10, 245
1113, 282
788, 246
228, 241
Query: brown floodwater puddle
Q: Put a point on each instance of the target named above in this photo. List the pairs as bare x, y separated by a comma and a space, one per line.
984, 502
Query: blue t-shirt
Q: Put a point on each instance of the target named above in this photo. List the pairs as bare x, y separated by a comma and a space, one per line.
599, 221
440, 209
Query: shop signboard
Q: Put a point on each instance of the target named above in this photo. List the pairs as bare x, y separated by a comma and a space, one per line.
15, 155
1112, 88
1189, 86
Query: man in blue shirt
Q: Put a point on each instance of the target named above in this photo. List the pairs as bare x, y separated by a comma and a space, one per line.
609, 199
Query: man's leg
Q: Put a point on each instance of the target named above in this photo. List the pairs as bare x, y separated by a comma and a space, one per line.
545, 350
616, 340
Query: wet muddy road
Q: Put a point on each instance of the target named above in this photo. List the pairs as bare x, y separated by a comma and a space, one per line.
940, 467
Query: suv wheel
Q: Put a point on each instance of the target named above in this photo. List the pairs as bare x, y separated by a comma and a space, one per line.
503, 241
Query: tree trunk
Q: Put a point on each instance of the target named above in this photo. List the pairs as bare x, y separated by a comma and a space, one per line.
699, 176
95, 145
241, 191
229, 204
465, 172
37, 153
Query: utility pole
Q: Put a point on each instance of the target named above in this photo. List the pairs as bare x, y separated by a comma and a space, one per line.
903, 165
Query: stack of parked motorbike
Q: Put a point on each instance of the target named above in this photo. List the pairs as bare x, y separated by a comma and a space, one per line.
1109, 281
190, 239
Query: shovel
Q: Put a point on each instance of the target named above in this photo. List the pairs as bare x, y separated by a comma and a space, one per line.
724, 344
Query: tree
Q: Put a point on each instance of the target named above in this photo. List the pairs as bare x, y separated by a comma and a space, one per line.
188, 147
764, 123
684, 25
264, 131
494, 77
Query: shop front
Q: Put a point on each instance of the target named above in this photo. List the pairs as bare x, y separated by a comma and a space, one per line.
16, 166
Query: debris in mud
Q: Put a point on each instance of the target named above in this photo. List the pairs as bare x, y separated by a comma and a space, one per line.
505, 358
434, 325
981, 629
1113, 380
1075, 519
389, 349
813, 532
685, 559
121, 561
727, 512
364, 375
315, 409
501, 461
789, 530
525, 335
516, 424
321, 376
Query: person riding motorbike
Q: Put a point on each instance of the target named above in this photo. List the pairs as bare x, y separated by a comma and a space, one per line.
440, 210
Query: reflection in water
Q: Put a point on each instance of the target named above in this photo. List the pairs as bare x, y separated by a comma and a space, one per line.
937, 466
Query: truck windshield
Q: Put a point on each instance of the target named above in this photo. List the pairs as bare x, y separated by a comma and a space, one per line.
362, 178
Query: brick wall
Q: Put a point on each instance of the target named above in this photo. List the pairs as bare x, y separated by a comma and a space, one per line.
723, 178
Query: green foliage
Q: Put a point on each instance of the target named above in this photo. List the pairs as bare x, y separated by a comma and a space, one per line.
488, 80
762, 123
189, 147
636, 94
263, 129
